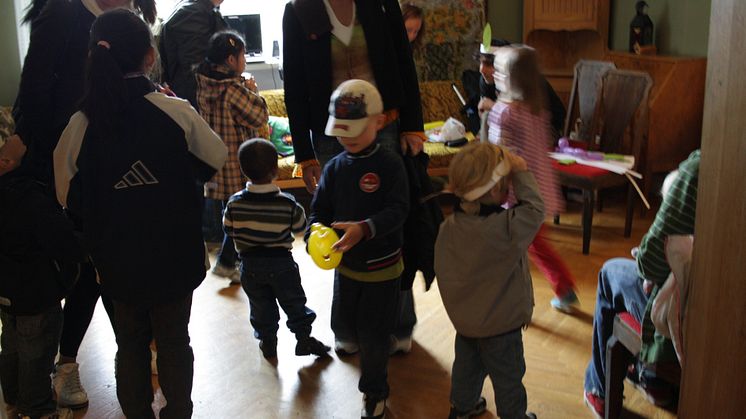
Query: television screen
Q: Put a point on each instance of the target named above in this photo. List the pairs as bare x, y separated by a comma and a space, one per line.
250, 27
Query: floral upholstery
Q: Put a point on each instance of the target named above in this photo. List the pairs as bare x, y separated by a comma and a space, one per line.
439, 102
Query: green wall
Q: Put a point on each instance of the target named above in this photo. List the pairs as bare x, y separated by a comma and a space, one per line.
10, 70
681, 26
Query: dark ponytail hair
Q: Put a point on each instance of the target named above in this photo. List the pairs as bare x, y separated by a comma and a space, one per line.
33, 10
118, 45
222, 45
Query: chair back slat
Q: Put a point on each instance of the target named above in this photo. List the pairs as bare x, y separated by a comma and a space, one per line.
584, 94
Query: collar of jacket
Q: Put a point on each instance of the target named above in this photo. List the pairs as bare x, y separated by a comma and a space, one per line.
313, 17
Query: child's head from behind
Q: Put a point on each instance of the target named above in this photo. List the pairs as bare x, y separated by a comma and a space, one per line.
414, 22
518, 77
355, 115
120, 45
258, 160
478, 173
227, 48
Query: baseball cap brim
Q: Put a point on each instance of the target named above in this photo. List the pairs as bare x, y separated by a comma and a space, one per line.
336, 127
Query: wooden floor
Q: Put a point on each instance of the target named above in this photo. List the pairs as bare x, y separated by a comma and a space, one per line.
232, 380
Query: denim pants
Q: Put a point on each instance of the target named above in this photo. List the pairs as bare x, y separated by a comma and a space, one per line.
212, 220
29, 345
619, 290
406, 316
500, 357
326, 147
365, 312
227, 255
271, 280
168, 323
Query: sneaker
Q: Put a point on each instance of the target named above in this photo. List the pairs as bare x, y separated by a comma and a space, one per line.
566, 303
373, 408
343, 347
403, 345
61, 413
477, 410
596, 403
311, 345
70, 392
655, 390
268, 347
530, 415
226, 272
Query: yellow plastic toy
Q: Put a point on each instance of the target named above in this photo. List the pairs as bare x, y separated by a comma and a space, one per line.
320, 247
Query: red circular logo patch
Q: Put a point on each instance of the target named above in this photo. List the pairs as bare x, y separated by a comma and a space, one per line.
370, 182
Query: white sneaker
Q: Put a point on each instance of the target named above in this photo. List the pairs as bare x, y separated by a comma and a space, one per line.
70, 392
61, 413
343, 347
225, 272
403, 345
372, 408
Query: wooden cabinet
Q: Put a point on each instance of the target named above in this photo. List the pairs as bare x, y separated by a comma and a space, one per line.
676, 102
563, 32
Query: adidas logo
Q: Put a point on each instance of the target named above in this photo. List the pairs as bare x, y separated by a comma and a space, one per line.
138, 176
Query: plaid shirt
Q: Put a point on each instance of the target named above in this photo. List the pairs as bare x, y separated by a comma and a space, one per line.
235, 113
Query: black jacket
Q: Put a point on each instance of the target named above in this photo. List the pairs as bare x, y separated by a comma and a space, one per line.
39, 254
308, 73
183, 44
52, 80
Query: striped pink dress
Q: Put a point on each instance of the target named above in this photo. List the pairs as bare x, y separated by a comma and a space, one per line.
514, 126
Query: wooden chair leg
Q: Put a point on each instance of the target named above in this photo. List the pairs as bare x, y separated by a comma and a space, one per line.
617, 360
588, 203
556, 219
599, 201
631, 201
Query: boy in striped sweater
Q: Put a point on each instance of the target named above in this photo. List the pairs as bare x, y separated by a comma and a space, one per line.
261, 220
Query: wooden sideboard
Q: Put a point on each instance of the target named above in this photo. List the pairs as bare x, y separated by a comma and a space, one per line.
676, 102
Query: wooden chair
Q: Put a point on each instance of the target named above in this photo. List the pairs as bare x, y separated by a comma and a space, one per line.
621, 103
621, 349
584, 95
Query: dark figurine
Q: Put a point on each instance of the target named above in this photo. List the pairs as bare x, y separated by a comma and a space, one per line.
640, 29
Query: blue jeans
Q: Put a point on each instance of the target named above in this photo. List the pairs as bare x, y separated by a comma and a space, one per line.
326, 147
29, 345
227, 255
619, 290
271, 280
406, 316
500, 357
365, 312
168, 324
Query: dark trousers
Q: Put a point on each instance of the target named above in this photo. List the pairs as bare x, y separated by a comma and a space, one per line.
500, 357
29, 345
365, 312
271, 280
168, 324
406, 316
78, 312
227, 255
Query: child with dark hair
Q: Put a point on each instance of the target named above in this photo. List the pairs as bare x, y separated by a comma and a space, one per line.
125, 168
261, 220
232, 107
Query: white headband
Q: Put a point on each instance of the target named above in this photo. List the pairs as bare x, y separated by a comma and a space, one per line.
501, 170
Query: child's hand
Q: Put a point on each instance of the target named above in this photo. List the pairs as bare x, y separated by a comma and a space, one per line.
250, 84
353, 234
517, 164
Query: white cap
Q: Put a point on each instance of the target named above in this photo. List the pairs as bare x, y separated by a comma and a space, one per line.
350, 106
491, 50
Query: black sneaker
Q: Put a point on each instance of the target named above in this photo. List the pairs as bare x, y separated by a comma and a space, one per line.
477, 410
268, 347
373, 408
311, 345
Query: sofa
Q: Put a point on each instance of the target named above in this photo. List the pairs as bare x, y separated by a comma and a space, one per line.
439, 102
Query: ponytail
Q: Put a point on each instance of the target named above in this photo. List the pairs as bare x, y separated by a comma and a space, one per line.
147, 9
118, 45
33, 10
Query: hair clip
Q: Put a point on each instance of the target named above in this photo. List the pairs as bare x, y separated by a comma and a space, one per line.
104, 44
232, 42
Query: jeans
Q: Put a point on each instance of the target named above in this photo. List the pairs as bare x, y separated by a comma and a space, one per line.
227, 255
406, 316
550, 263
619, 290
29, 345
365, 312
326, 147
212, 220
500, 357
271, 280
169, 325
78, 312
